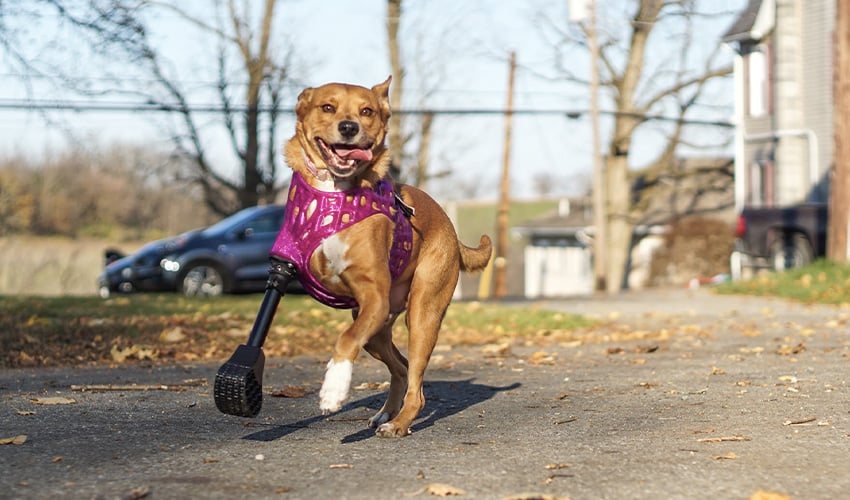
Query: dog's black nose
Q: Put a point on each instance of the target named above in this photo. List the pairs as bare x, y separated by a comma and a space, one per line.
348, 128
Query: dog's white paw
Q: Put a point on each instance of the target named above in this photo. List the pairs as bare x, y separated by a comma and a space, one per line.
390, 430
378, 419
335, 387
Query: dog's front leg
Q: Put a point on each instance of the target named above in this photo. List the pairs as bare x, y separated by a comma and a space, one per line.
372, 316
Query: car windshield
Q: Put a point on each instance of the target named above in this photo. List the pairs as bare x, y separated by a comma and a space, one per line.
229, 223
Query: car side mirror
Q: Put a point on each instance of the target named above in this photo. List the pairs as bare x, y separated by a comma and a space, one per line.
245, 233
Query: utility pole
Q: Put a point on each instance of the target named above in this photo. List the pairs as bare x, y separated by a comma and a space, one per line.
501, 262
600, 211
838, 232
395, 136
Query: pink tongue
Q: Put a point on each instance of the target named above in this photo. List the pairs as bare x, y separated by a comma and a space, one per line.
353, 154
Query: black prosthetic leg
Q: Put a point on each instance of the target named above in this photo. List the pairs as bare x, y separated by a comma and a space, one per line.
239, 382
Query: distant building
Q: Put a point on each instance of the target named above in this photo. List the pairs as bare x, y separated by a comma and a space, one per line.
783, 101
558, 256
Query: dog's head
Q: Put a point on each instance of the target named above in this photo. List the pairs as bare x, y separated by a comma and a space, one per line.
340, 131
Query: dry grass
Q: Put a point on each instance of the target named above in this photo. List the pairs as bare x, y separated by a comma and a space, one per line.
50, 331
51, 266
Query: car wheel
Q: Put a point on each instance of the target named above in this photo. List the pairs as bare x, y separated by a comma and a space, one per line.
202, 280
790, 252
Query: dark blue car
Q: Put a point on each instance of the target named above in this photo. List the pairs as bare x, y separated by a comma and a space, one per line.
228, 257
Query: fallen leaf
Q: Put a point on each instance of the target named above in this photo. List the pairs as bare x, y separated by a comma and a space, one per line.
723, 439
646, 348
290, 391
443, 490
17, 440
728, 456
535, 496
120, 355
551, 478
25, 413
57, 400
491, 350
208, 460
340, 466
800, 421
172, 335
372, 386
56, 460
787, 350
769, 495
558, 466
137, 493
542, 358
648, 385
717, 371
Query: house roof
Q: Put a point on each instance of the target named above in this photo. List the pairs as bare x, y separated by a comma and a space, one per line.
691, 186
752, 23
578, 215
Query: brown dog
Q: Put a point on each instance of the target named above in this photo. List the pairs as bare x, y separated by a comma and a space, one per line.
338, 147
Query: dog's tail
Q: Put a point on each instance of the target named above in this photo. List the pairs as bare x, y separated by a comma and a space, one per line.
475, 259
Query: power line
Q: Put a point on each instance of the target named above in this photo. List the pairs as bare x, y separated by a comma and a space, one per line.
125, 107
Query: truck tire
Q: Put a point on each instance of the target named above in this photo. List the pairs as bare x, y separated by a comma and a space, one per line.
790, 251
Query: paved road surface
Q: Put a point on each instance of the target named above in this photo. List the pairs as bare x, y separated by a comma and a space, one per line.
682, 394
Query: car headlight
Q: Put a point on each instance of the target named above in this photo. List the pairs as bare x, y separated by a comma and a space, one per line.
169, 265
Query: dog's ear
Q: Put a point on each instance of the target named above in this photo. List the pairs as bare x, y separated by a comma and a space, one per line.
382, 90
303, 104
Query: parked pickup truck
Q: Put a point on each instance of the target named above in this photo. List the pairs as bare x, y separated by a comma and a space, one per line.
779, 238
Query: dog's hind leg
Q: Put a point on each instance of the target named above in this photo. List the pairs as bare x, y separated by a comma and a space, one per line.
381, 347
424, 317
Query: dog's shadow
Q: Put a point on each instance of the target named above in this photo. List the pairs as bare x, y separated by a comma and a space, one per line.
444, 399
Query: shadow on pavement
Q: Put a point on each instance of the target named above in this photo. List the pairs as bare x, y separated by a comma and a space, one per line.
444, 398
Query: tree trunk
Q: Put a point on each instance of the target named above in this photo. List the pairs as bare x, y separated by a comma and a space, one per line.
395, 135
619, 192
422, 158
619, 226
838, 246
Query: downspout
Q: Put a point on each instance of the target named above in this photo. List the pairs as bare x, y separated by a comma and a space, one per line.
740, 132
811, 138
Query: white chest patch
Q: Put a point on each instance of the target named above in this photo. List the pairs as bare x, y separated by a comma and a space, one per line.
334, 249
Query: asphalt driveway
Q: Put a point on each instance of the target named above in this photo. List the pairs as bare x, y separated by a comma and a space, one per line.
681, 394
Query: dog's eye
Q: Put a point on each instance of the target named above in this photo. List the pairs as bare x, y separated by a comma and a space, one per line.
328, 108
367, 112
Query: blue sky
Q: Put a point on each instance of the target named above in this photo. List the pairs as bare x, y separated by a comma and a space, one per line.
458, 55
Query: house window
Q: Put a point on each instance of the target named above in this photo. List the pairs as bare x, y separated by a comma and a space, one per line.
757, 82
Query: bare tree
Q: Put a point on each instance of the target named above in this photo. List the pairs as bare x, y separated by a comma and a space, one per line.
672, 82
424, 57
250, 78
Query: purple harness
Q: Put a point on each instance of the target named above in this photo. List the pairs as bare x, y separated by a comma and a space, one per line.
313, 215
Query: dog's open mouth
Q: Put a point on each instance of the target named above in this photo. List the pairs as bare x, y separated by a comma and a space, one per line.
343, 157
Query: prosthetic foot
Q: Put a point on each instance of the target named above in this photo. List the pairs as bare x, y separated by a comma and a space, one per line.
239, 382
